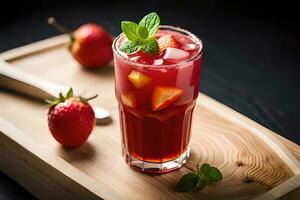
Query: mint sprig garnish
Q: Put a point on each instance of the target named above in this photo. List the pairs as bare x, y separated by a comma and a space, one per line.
151, 22
130, 29
129, 47
205, 174
141, 36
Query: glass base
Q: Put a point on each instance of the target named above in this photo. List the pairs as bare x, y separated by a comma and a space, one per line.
157, 168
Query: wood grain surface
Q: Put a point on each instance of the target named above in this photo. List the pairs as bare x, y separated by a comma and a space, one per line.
255, 162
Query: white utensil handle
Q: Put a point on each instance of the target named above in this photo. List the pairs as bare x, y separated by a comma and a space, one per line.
17, 80
22, 82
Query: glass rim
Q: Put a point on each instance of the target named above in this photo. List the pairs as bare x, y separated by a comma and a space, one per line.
196, 39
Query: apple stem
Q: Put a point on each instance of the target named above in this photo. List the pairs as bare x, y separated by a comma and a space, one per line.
61, 28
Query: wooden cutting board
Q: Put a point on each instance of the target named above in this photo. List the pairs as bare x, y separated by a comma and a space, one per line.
255, 162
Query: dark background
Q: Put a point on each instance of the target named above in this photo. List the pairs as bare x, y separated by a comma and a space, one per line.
251, 60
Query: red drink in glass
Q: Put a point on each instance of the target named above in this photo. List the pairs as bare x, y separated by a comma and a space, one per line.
156, 96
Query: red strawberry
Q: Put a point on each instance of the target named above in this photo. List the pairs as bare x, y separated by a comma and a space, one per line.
166, 41
163, 97
71, 119
91, 44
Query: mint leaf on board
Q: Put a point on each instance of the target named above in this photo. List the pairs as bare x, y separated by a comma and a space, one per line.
205, 168
141, 36
214, 174
151, 22
188, 182
198, 180
130, 29
150, 46
201, 183
129, 47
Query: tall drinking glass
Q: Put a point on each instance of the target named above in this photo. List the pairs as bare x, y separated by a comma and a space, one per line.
156, 102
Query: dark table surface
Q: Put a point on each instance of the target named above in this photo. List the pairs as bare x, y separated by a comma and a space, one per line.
251, 60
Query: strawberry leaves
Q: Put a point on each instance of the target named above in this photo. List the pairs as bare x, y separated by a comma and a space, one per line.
141, 36
205, 174
62, 98
70, 93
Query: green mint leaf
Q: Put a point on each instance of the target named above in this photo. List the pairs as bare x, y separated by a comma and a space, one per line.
201, 182
130, 29
141, 37
70, 93
143, 32
214, 174
52, 103
205, 175
151, 22
205, 168
188, 182
129, 47
150, 46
